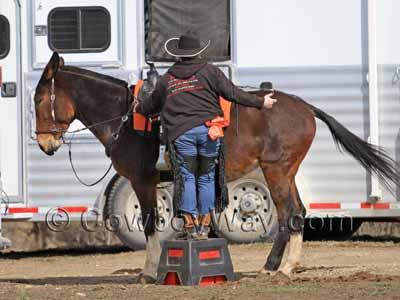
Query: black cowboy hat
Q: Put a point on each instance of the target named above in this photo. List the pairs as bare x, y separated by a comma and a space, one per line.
188, 45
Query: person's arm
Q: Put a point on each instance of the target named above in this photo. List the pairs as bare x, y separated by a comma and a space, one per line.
153, 104
230, 92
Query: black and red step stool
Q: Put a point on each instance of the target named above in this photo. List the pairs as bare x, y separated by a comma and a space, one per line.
194, 262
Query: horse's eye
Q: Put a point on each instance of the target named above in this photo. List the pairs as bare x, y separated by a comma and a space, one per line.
38, 100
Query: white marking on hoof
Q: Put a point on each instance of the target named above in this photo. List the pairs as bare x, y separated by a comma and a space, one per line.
280, 275
285, 271
153, 253
293, 260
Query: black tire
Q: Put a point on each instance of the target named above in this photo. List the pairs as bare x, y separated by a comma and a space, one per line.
337, 229
123, 214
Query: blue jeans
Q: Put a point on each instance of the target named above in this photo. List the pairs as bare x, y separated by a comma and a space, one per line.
197, 198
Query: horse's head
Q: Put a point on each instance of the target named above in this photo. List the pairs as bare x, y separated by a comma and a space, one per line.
54, 107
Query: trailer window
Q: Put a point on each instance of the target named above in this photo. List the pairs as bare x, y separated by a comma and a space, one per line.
172, 18
4, 37
79, 29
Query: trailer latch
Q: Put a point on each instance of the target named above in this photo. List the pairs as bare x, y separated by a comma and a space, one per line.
9, 90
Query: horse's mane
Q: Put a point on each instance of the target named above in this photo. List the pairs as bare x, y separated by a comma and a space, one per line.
95, 75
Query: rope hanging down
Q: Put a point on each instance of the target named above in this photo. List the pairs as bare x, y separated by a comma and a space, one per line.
115, 135
75, 172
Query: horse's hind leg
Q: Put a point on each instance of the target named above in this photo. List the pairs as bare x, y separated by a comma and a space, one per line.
279, 187
289, 218
146, 193
296, 226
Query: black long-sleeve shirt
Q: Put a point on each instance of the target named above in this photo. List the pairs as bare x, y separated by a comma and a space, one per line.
188, 96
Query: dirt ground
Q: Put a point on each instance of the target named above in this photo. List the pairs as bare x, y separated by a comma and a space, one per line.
332, 270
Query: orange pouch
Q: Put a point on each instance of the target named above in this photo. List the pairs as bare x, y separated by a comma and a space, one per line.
217, 124
215, 132
139, 120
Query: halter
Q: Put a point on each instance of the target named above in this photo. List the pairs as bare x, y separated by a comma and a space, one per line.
123, 118
114, 136
54, 128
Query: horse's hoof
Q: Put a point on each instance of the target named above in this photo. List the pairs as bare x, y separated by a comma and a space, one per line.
299, 269
144, 279
282, 277
266, 272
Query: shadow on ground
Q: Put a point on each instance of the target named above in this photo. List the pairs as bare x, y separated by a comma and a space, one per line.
69, 252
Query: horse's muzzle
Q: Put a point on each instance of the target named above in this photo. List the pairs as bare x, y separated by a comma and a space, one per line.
48, 144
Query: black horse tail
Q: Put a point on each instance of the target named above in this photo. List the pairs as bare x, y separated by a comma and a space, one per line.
371, 157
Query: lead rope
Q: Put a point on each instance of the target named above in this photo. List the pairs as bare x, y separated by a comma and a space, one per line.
74, 170
115, 137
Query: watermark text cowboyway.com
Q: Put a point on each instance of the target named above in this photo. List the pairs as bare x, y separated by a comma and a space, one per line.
58, 219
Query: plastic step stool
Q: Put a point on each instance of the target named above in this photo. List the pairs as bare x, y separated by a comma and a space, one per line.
195, 262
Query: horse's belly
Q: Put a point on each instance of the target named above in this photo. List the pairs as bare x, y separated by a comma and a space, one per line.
239, 162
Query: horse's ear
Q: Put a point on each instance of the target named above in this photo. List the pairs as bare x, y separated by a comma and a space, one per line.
52, 66
61, 62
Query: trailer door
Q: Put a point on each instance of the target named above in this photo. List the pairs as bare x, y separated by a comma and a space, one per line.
385, 115
10, 105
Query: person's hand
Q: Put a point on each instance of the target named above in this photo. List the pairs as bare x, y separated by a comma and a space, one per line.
269, 101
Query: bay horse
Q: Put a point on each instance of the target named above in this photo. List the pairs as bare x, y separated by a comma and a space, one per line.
276, 140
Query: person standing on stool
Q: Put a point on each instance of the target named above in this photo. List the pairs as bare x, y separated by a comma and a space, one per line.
187, 97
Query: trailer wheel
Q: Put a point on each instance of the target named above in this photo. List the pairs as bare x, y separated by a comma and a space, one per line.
250, 216
123, 214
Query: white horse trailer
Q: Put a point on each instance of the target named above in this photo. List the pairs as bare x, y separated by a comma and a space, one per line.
342, 56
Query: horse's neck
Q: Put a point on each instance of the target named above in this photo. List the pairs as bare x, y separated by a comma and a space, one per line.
100, 102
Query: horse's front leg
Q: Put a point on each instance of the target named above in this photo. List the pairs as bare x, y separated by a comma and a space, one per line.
146, 193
